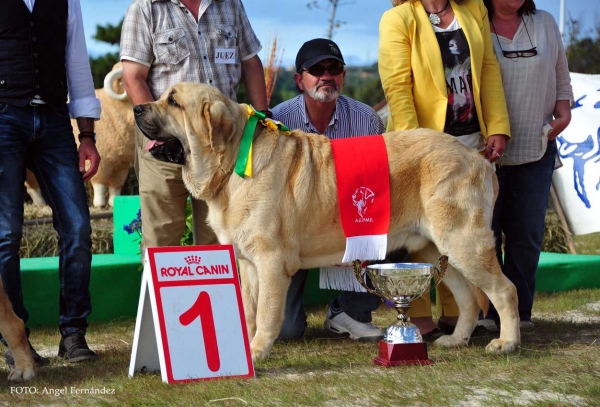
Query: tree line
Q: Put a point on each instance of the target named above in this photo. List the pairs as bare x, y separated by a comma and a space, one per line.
362, 83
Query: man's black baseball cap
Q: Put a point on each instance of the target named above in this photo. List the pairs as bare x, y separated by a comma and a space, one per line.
316, 50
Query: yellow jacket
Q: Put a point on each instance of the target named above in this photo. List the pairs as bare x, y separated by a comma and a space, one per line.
412, 72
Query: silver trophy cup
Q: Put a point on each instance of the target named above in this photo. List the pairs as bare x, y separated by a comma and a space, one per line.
401, 283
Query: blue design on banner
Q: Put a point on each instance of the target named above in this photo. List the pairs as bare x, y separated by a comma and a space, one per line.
582, 153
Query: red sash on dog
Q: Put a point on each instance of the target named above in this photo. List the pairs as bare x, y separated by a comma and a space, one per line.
363, 184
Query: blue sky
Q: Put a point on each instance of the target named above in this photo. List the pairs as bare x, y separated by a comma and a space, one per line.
294, 23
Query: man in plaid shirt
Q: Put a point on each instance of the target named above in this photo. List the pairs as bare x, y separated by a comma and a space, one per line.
164, 42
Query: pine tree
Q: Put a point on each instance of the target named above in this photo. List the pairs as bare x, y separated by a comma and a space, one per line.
583, 53
103, 64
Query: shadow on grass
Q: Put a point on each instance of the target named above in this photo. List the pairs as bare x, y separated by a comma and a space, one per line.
61, 373
547, 337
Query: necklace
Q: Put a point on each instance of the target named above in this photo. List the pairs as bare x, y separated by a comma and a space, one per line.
433, 17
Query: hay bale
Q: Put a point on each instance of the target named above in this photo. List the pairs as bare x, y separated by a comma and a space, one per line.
41, 240
555, 237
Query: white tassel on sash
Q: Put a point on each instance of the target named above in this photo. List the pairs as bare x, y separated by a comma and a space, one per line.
370, 247
339, 278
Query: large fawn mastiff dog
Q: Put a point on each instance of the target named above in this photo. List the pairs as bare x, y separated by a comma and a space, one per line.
286, 217
13, 331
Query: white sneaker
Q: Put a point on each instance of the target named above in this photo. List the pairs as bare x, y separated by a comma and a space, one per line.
341, 323
488, 324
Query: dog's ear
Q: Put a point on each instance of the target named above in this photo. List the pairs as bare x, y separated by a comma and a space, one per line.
219, 120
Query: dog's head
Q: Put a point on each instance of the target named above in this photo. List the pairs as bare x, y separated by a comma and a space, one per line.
189, 119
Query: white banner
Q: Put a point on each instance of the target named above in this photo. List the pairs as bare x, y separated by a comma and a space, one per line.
577, 183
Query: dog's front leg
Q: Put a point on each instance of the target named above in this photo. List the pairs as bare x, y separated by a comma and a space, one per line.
13, 331
273, 284
249, 294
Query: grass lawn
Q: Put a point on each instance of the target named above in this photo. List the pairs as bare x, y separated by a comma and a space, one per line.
558, 364
587, 244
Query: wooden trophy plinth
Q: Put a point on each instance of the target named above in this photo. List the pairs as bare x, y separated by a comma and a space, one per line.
391, 354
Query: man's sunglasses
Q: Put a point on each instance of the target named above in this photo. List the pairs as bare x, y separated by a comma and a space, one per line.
319, 70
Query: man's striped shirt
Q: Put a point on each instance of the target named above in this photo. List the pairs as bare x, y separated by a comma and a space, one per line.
351, 118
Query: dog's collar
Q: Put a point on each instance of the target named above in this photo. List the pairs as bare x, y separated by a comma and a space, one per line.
243, 163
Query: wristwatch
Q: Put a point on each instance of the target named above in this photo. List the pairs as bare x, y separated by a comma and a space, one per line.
87, 134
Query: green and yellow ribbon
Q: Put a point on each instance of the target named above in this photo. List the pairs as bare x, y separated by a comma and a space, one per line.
243, 163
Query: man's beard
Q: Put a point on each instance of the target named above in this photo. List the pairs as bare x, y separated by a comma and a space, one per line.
324, 94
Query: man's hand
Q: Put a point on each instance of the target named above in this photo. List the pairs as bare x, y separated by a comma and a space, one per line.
88, 152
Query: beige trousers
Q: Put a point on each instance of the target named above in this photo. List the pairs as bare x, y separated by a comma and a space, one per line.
445, 303
163, 199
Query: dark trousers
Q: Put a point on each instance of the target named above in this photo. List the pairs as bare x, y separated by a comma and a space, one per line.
41, 138
520, 214
356, 304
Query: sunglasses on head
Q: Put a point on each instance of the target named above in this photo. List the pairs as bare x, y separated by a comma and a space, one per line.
319, 70
531, 52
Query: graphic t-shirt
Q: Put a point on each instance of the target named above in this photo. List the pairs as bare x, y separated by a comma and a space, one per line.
461, 116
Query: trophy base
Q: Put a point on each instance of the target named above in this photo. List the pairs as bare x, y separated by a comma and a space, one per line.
402, 354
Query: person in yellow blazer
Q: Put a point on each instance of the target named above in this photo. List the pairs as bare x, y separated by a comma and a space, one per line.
439, 71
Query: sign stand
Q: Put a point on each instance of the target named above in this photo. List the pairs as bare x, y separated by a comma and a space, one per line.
144, 356
190, 323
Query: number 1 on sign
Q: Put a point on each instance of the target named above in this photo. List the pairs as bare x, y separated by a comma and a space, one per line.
202, 309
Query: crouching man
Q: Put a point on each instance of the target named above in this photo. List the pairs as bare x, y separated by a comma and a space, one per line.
320, 108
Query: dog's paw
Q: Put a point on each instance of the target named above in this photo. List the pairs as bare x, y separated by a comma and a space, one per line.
21, 375
501, 346
259, 349
258, 354
450, 341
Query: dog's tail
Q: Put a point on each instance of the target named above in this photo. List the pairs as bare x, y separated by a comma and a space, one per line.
482, 299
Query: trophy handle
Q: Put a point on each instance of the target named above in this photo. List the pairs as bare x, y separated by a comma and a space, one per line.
439, 274
360, 276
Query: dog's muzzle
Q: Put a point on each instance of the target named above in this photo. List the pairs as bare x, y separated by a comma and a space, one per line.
170, 151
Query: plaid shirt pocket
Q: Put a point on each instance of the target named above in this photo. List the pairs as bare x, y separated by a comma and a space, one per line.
170, 46
225, 36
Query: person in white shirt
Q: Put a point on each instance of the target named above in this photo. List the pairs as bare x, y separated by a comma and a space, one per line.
539, 96
44, 62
